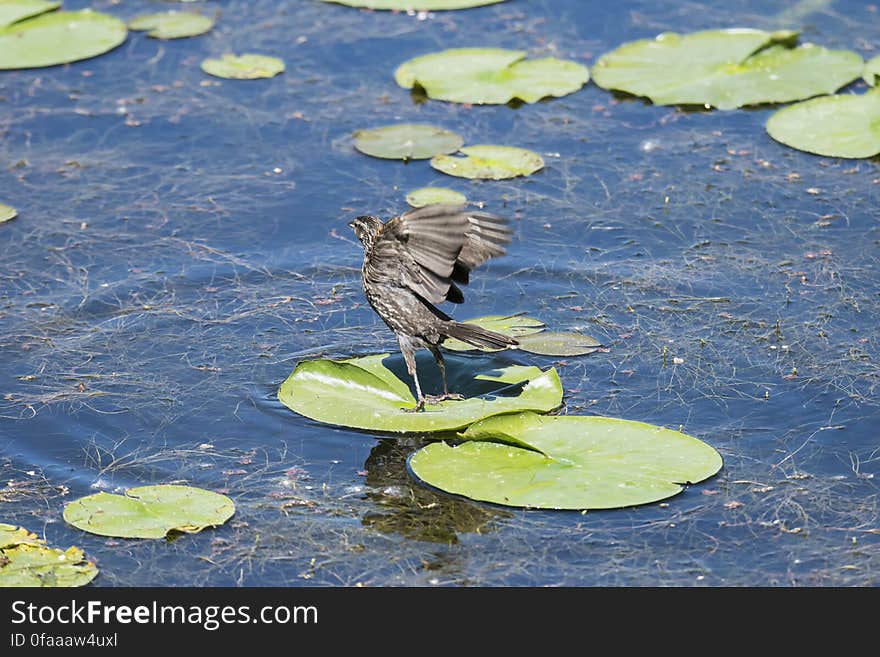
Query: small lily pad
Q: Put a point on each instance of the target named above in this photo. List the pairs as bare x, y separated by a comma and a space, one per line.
490, 162
7, 212
567, 462
559, 344
415, 5
59, 37
490, 76
172, 24
407, 141
364, 394
836, 126
725, 68
243, 67
149, 511
514, 326
26, 560
419, 198
872, 71
12, 11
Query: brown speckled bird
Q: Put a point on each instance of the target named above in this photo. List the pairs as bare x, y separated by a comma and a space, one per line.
418, 259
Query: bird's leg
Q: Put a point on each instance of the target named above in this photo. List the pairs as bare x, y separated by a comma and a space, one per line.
436, 399
409, 356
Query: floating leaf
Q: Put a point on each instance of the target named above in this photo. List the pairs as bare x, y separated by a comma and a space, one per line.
362, 393
407, 141
149, 511
514, 326
492, 162
243, 67
559, 344
419, 198
12, 11
415, 5
872, 71
7, 212
836, 126
172, 24
573, 462
58, 38
490, 76
26, 560
725, 68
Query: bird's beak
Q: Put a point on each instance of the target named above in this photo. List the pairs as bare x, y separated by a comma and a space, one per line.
351, 224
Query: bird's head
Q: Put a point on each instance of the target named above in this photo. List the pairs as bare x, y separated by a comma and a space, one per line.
366, 228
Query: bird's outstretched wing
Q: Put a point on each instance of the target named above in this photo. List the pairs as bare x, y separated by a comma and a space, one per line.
430, 249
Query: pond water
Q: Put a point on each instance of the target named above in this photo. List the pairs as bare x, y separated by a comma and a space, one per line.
182, 244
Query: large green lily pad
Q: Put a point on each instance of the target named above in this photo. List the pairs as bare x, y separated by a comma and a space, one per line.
407, 141
149, 511
415, 5
419, 198
172, 24
364, 394
490, 76
836, 126
59, 37
12, 11
725, 68
491, 162
872, 70
243, 67
566, 462
7, 212
26, 560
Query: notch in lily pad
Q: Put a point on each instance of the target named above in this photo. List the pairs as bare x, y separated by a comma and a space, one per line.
414, 5
249, 66
532, 336
364, 393
566, 462
407, 141
26, 560
150, 511
59, 37
172, 24
845, 125
12, 11
725, 69
490, 76
489, 162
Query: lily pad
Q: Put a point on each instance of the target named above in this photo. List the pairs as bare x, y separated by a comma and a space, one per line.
559, 344
7, 212
419, 198
172, 24
59, 37
243, 67
836, 126
364, 394
492, 162
407, 141
725, 68
26, 560
514, 326
415, 5
571, 462
12, 11
490, 76
149, 511
872, 71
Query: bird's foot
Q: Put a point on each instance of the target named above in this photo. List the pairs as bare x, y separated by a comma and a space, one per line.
419, 408
436, 399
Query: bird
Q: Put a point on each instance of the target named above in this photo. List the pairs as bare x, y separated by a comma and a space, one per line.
418, 259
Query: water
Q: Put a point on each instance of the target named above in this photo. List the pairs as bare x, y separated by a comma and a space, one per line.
182, 244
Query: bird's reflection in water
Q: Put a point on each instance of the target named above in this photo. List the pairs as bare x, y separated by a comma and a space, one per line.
409, 508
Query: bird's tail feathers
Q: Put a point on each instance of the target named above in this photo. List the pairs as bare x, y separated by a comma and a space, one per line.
479, 337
